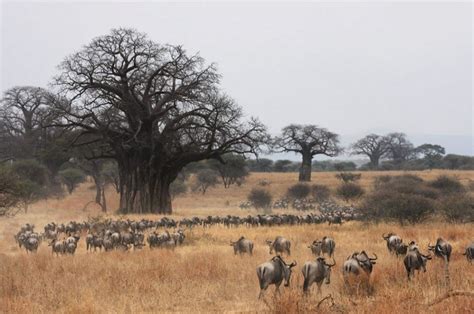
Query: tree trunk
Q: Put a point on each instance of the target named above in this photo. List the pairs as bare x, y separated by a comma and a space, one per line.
305, 169
374, 162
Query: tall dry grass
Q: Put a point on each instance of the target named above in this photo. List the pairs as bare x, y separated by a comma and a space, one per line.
205, 276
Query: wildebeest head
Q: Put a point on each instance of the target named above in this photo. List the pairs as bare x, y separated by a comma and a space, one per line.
327, 267
386, 237
270, 245
365, 262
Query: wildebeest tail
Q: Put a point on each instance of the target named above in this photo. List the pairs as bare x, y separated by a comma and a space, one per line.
260, 275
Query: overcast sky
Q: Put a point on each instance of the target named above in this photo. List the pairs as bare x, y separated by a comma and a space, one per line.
353, 68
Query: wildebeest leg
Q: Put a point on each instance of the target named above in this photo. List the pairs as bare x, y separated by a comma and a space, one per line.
319, 287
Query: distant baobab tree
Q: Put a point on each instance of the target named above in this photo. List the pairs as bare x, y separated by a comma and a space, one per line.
373, 146
309, 141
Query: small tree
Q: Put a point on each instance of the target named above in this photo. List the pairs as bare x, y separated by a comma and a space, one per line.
349, 191
178, 187
260, 198
205, 179
72, 177
32, 181
233, 169
458, 208
298, 191
432, 154
347, 177
9, 193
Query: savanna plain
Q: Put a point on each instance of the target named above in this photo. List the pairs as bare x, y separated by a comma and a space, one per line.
204, 275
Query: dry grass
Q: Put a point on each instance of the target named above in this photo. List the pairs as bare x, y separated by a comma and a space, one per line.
204, 275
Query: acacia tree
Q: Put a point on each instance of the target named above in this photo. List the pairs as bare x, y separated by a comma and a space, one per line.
432, 153
309, 141
373, 146
155, 108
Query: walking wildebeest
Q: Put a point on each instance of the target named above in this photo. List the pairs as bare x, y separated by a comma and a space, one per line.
441, 249
393, 241
358, 262
316, 271
274, 272
327, 246
469, 252
414, 260
242, 246
280, 245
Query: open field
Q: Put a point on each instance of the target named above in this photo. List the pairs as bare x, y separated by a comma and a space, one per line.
204, 275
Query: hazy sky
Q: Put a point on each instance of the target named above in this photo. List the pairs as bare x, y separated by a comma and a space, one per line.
351, 67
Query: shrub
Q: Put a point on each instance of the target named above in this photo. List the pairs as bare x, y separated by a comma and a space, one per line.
205, 179
178, 187
31, 170
298, 191
457, 208
260, 198
347, 177
320, 192
349, 191
447, 185
72, 177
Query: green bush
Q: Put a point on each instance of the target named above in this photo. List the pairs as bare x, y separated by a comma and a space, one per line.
447, 185
320, 193
71, 178
349, 191
458, 208
298, 191
260, 198
347, 177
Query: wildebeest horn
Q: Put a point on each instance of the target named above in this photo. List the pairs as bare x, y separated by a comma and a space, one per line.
384, 236
430, 246
373, 259
293, 264
331, 265
426, 256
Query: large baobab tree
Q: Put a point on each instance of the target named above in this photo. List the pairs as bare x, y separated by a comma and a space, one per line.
400, 149
309, 141
155, 108
373, 146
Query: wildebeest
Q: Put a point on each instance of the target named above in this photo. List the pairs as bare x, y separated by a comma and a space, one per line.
316, 271
393, 241
469, 252
441, 249
414, 260
358, 262
401, 249
326, 246
274, 272
280, 245
242, 246
57, 246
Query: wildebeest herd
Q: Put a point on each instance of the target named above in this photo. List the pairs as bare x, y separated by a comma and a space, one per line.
126, 234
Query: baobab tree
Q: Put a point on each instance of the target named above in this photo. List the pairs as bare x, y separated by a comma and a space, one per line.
400, 149
155, 109
373, 146
309, 141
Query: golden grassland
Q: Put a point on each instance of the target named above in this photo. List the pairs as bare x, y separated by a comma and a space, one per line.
203, 275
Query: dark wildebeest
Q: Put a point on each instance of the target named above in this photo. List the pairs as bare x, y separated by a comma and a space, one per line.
401, 249
441, 249
326, 246
393, 241
469, 252
358, 262
280, 245
414, 260
274, 272
242, 246
316, 271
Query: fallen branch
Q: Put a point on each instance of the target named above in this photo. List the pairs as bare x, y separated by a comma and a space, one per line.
329, 296
449, 294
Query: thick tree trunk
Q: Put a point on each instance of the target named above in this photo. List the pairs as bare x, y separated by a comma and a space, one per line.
374, 161
305, 169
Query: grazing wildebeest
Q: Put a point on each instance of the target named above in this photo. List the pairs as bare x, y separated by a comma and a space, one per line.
242, 246
280, 245
326, 246
274, 272
469, 252
441, 249
316, 271
393, 241
358, 262
414, 260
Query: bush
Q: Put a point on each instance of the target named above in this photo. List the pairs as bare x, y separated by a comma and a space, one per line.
447, 185
72, 177
395, 206
298, 191
31, 170
178, 187
347, 177
320, 192
349, 191
457, 208
260, 198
